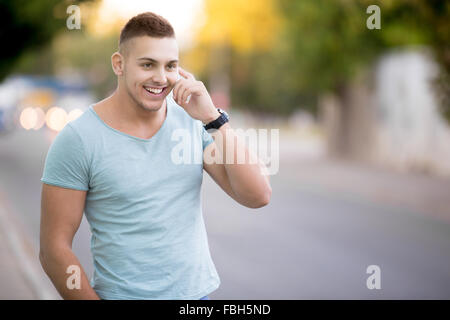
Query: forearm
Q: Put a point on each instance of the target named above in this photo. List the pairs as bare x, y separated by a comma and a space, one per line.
246, 173
55, 263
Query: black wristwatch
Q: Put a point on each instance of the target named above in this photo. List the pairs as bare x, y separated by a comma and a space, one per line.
221, 120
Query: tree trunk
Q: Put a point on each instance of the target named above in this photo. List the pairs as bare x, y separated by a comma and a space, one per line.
347, 117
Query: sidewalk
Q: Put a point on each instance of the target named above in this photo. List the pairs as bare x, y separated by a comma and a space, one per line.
21, 276
12, 282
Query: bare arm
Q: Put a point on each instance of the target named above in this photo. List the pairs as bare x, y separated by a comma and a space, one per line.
61, 214
244, 182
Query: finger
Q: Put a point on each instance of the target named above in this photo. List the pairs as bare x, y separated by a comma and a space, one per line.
176, 88
189, 91
183, 86
180, 91
185, 74
183, 93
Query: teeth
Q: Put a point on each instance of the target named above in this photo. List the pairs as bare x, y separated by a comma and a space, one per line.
153, 90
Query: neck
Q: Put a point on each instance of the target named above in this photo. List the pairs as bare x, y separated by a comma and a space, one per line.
130, 112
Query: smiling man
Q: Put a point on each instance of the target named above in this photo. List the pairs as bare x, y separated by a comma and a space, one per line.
114, 163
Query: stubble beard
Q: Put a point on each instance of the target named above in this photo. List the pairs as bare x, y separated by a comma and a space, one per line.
139, 103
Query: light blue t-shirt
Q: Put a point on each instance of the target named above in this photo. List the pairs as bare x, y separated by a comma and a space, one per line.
143, 204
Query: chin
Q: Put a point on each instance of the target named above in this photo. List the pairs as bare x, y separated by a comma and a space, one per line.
151, 105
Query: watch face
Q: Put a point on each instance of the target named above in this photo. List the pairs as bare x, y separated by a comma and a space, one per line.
224, 112
216, 124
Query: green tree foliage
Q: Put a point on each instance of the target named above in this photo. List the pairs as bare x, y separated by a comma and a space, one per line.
329, 42
28, 25
321, 45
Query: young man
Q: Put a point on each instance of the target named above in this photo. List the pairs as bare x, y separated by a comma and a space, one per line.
117, 164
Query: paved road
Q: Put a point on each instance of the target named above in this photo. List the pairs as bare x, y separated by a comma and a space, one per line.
326, 223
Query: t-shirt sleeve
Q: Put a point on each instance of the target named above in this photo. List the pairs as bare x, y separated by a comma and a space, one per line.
66, 163
206, 137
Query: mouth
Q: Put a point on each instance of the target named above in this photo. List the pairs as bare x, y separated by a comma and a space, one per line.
155, 91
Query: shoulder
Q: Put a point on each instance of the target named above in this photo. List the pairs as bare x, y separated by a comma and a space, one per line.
76, 138
84, 121
84, 127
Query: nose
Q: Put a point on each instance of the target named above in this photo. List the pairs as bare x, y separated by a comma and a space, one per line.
159, 76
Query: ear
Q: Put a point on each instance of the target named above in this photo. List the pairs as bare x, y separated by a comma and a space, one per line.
117, 61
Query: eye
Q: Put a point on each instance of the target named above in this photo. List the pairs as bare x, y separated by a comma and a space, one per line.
147, 65
172, 66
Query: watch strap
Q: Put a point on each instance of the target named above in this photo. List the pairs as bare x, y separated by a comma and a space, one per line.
216, 124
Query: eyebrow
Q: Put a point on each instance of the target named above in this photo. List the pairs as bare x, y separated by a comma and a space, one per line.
153, 60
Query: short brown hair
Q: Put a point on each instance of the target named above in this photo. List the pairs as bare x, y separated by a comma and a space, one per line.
146, 24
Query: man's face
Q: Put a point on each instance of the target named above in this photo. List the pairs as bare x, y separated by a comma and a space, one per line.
151, 64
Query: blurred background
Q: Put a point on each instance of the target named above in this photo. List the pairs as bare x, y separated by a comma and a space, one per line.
364, 140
